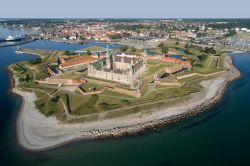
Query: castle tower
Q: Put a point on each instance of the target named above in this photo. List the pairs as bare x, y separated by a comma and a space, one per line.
108, 60
107, 52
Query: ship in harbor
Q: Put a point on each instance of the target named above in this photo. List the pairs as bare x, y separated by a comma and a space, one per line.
15, 38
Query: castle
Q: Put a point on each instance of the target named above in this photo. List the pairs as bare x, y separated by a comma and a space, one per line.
119, 67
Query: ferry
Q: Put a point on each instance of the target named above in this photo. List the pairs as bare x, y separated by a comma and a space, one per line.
15, 38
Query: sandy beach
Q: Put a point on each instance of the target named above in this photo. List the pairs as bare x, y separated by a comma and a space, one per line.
36, 132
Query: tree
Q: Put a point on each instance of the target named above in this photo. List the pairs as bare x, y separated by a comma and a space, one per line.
115, 36
36, 61
88, 52
161, 45
164, 50
231, 33
58, 61
177, 43
67, 52
209, 50
56, 99
126, 34
187, 50
27, 78
202, 57
133, 49
124, 48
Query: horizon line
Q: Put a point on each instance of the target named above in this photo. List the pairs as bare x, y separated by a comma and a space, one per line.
124, 17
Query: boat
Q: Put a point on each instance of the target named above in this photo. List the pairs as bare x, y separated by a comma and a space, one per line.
15, 38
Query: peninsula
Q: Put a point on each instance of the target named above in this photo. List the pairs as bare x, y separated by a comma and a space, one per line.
102, 91
68, 96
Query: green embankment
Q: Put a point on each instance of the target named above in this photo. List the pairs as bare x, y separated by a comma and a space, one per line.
50, 99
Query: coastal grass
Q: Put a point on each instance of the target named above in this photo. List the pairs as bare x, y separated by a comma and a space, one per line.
37, 87
93, 48
35, 51
47, 105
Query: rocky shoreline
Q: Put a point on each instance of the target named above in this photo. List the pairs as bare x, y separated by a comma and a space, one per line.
43, 136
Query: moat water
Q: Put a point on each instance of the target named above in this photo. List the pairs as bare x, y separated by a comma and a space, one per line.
218, 137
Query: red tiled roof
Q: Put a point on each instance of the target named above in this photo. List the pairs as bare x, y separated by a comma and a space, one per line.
51, 71
77, 61
174, 60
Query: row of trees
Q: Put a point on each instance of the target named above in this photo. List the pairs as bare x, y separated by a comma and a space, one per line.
68, 53
36, 61
115, 36
209, 50
231, 33
125, 48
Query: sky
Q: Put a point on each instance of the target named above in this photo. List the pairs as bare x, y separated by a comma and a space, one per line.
124, 9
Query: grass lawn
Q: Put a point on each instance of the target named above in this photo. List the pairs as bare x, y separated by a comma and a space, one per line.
213, 63
41, 72
36, 51
191, 78
220, 63
114, 94
21, 71
94, 48
154, 68
70, 75
48, 106
206, 67
87, 87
